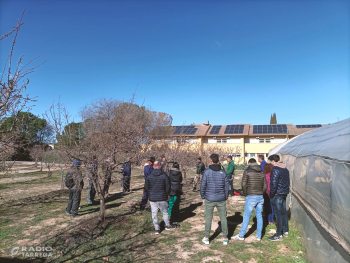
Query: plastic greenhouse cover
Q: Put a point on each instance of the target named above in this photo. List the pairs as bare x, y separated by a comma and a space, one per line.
331, 141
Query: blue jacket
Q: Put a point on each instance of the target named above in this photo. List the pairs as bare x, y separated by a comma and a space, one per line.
279, 181
147, 170
214, 185
262, 165
157, 186
126, 169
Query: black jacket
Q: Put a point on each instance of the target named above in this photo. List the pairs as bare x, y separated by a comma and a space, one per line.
175, 177
279, 181
253, 180
157, 186
214, 185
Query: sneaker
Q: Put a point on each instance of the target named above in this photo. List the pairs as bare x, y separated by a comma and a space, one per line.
157, 232
170, 227
285, 234
90, 203
67, 213
276, 238
205, 240
74, 216
225, 241
237, 237
258, 239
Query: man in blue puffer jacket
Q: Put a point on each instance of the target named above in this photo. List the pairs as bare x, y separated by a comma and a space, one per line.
279, 189
147, 171
214, 190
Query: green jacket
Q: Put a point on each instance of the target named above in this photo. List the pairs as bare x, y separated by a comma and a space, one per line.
199, 168
231, 168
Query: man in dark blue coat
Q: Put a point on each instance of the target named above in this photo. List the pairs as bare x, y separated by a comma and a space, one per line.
279, 189
126, 172
214, 191
157, 187
147, 171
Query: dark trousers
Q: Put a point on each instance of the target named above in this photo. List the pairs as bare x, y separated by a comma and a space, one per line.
74, 201
268, 208
144, 200
279, 206
92, 192
126, 183
230, 181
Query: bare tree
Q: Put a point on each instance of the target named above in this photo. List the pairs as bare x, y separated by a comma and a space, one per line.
109, 128
13, 94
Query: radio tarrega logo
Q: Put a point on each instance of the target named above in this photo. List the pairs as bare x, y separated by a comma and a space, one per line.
37, 252
14, 251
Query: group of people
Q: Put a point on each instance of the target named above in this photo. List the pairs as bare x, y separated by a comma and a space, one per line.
259, 183
75, 183
264, 185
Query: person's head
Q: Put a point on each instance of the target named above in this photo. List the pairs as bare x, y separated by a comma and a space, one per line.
260, 158
268, 168
176, 165
274, 159
94, 158
214, 158
109, 159
157, 164
251, 160
77, 163
229, 158
152, 159
163, 159
199, 159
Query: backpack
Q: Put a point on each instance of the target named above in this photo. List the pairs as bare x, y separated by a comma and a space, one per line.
69, 181
203, 167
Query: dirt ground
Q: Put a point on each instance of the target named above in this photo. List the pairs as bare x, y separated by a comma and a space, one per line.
32, 213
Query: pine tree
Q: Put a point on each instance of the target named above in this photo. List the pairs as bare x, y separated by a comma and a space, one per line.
273, 119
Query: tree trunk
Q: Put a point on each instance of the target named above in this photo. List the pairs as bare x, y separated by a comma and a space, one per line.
101, 216
62, 183
41, 166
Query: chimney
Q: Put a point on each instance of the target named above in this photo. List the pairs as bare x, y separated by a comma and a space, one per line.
206, 123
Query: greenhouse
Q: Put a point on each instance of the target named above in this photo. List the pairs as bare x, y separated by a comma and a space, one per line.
319, 165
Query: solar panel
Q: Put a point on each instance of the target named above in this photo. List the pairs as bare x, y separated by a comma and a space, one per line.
309, 126
215, 129
278, 128
234, 129
185, 130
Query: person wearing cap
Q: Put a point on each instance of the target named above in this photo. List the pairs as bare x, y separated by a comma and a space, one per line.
230, 172
75, 184
199, 171
126, 172
90, 177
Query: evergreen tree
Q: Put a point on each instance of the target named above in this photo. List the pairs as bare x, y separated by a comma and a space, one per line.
273, 119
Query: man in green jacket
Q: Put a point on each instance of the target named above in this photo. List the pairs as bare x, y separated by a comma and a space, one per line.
230, 172
200, 169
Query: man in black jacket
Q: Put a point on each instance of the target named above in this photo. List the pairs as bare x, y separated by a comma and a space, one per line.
279, 189
214, 192
74, 178
158, 188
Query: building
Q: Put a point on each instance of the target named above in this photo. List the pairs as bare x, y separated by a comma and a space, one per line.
243, 141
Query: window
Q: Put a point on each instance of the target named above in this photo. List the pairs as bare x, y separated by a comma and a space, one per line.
267, 155
252, 155
267, 140
221, 141
238, 155
261, 140
246, 155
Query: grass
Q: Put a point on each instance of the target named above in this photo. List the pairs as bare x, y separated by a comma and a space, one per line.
128, 235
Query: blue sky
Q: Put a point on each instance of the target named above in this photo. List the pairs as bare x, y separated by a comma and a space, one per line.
223, 61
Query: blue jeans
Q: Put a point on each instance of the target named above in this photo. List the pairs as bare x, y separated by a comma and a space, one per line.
279, 206
230, 181
251, 202
268, 209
